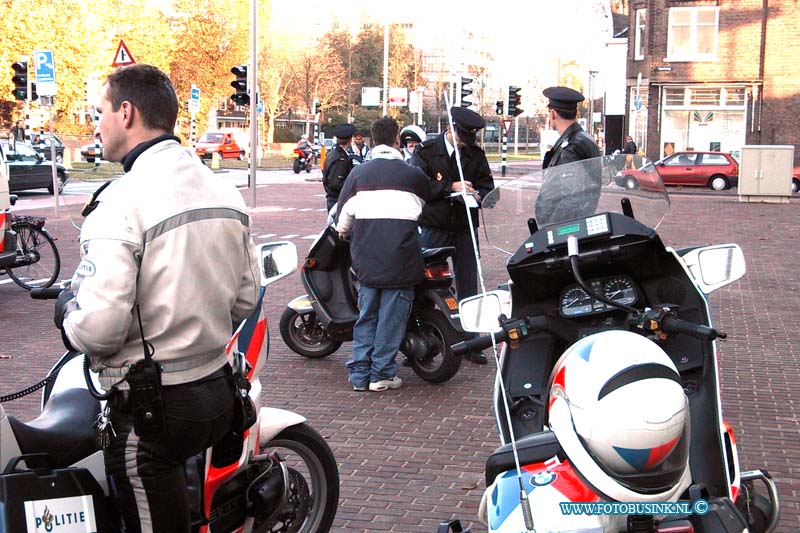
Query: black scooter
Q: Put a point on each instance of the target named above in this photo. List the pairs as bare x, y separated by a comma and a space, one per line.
317, 323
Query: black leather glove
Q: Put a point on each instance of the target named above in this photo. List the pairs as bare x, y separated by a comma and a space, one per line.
64, 298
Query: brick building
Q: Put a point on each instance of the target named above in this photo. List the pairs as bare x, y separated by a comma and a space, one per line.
713, 74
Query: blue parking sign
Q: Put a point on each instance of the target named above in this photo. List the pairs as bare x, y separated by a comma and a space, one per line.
195, 93
45, 72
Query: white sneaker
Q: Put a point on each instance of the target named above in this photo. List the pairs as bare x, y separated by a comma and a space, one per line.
386, 384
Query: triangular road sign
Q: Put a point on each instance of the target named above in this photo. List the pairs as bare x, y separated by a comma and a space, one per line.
123, 57
506, 123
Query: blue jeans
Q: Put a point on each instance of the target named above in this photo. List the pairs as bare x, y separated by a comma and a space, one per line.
378, 333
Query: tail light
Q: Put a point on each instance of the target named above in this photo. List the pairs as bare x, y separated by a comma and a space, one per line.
438, 271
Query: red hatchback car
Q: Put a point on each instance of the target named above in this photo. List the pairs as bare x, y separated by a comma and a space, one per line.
716, 170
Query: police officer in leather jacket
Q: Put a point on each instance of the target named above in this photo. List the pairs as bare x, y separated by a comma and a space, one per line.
444, 218
338, 163
565, 195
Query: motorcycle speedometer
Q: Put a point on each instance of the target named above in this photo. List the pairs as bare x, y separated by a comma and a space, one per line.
575, 301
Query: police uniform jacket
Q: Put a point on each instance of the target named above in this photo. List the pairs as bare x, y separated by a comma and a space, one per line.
443, 211
174, 238
573, 145
569, 191
338, 164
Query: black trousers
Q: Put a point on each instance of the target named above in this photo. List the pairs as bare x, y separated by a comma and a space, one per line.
147, 475
464, 264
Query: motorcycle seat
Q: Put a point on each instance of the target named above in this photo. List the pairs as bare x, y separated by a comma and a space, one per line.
64, 429
532, 449
447, 251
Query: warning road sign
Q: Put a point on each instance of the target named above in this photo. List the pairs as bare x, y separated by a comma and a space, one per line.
123, 57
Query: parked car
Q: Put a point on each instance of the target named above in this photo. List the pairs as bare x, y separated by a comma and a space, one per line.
28, 170
716, 170
220, 142
44, 147
92, 151
795, 180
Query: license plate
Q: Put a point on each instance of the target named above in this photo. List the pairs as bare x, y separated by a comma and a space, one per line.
452, 304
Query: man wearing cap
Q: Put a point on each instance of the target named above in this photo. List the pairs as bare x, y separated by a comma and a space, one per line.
338, 163
444, 218
570, 194
359, 148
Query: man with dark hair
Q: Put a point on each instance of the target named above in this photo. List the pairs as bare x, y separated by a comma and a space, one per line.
444, 220
378, 211
153, 245
567, 194
338, 163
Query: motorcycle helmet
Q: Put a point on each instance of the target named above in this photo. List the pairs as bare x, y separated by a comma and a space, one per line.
618, 409
411, 132
304, 137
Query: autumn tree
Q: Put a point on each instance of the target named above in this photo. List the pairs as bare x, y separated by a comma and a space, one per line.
211, 36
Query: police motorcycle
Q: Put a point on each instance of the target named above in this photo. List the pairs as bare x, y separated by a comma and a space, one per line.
316, 324
607, 395
278, 475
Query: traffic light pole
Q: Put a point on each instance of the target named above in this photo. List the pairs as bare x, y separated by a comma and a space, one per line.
504, 152
56, 184
253, 103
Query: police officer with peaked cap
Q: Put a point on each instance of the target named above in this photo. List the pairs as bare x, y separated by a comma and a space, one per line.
444, 218
567, 194
574, 144
338, 163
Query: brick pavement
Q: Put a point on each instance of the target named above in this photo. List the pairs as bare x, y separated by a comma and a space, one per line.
413, 457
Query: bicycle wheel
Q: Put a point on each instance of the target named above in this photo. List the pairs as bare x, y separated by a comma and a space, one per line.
37, 258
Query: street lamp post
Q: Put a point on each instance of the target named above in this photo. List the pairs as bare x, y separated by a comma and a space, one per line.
592, 74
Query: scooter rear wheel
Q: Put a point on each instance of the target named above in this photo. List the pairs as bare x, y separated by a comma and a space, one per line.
304, 335
439, 363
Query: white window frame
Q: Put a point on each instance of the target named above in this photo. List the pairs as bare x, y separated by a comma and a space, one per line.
640, 25
693, 25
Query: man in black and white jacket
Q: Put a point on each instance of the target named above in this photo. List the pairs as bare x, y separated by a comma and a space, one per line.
378, 211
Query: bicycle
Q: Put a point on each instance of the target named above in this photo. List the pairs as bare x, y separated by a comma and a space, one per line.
38, 263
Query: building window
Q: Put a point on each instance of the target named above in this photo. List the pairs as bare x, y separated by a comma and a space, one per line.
734, 96
638, 36
692, 34
674, 96
705, 97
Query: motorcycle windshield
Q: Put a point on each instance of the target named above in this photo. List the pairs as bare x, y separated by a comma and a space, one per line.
569, 191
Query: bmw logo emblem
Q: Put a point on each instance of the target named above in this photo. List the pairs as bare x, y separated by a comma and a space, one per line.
542, 479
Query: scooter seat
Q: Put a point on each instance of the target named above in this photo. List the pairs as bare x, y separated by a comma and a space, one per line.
64, 429
535, 448
447, 251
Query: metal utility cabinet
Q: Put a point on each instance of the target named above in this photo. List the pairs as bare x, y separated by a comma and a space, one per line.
765, 173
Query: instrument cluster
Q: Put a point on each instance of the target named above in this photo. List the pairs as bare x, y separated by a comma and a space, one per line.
577, 302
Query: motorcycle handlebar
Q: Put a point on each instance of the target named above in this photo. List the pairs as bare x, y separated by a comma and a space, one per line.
675, 325
478, 343
49, 293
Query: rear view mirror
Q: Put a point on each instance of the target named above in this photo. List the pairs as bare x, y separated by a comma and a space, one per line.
278, 260
480, 314
715, 266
